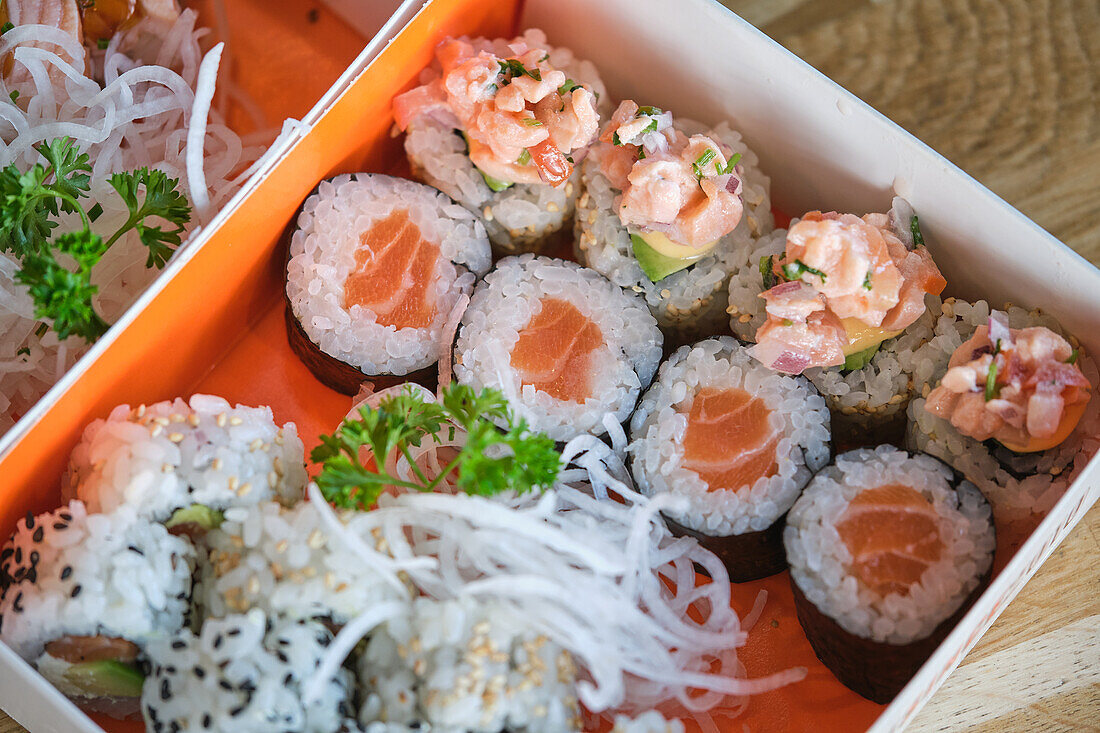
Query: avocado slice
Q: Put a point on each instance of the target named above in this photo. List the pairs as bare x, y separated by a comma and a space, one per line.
199, 514
860, 359
106, 678
655, 265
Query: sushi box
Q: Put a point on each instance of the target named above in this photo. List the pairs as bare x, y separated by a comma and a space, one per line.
214, 322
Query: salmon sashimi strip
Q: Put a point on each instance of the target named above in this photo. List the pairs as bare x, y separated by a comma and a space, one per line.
1023, 388
394, 268
893, 535
522, 117
729, 441
554, 351
683, 187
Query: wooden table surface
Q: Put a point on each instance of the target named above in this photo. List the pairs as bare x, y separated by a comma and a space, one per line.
1009, 90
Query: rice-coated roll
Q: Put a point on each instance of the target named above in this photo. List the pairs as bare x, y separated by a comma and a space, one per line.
83, 594
377, 265
887, 550
172, 455
286, 562
505, 148
860, 347
675, 239
739, 441
470, 665
243, 673
1022, 486
564, 345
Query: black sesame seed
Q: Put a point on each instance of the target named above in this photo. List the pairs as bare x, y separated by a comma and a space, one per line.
224, 684
282, 657
76, 591
30, 520
66, 572
133, 548
218, 641
35, 557
206, 720
15, 604
18, 555
60, 526
236, 711
66, 516
288, 679
199, 672
39, 534
165, 690
178, 644
158, 726
6, 553
233, 632
174, 727
32, 576
170, 669
248, 686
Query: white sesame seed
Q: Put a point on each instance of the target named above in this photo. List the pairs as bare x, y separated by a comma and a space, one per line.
175, 437
221, 419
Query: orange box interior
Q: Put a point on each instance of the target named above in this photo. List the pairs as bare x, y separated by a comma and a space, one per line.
218, 326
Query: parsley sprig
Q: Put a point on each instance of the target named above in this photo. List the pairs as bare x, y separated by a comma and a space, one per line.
490, 460
31, 202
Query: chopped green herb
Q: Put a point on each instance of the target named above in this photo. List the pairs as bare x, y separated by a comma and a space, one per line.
568, 86
794, 271
914, 227
511, 68
730, 164
641, 153
867, 281
531, 122
6, 27
1073, 357
767, 274
615, 138
31, 202
991, 390
14, 95
41, 330
546, 57
25, 351
651, 111
569, 158
860, 359
492, 88
490, 460
788, 322
524, 157
103, 43
701, 162
494, 184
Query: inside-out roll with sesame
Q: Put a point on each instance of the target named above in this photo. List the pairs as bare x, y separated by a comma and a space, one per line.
1010, 404
500, 125
887, 551
669, 208
739, 441
564, 345
81, 595
183, 462
376, 268
847, 301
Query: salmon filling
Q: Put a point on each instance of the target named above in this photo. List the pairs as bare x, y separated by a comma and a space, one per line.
1023, 388
729, 441
844, 285
892, 533
554, 351
394, 268
81, 649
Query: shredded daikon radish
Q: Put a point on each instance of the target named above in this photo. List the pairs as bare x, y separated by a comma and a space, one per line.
196, 133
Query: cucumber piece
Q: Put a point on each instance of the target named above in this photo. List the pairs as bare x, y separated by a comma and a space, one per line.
860, 359
655, 265
199, 514
106, 678
494, 183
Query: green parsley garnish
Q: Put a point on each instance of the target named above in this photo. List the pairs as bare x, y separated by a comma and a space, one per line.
489, 462
568, 86
103, 43
701, 162
524, 157
511, 68
794, 271
6, 27
650, 111
615, 138
25, 351
914, 227
867, 281
767, 274
14, 95
32, 200
1073, 357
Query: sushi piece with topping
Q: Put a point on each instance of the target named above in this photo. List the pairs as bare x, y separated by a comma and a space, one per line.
887, 551
376, 268
739, 441
244, 673
499, 125
83, 594
287, 563
468, 664
184, 463
1009, 404
668, 208
564, 345
842, 299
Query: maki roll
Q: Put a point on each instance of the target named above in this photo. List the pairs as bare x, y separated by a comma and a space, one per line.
564, 345
842, 299
244, 673
376, 267
1010, 406
887, 551
184, 462
468, 664
668, 210
82, 595
739, 441
286, 562
498, 125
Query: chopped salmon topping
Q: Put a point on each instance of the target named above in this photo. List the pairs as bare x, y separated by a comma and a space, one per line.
394, 269
80, 649
729, 441
892, 533
554, 351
